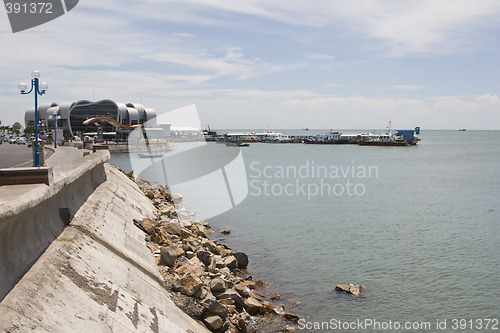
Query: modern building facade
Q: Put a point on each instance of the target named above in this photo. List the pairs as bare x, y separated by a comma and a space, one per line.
106, 116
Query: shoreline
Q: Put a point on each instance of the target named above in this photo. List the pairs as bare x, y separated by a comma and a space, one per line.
206, 279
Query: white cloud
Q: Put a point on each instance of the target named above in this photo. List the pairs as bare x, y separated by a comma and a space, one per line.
319, 56
429, 25
299, 109
183, 35
268, 94
404, 27
232, 63
407, 87
483, 112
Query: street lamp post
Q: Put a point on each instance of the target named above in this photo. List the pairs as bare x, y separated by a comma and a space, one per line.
38, 89
55, 117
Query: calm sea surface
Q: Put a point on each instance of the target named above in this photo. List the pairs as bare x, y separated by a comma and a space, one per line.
418, 226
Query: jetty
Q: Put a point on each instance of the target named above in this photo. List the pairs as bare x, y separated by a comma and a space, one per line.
387, 138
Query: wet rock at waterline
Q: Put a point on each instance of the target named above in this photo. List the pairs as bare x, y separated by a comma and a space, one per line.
352, 289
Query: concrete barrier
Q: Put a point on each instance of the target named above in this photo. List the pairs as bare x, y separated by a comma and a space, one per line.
32, 216
99, 147
98, 274
16, 176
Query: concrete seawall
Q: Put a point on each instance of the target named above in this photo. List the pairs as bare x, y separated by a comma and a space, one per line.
33, 215
98, 274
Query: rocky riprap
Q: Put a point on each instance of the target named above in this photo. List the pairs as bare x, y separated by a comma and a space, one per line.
207, 279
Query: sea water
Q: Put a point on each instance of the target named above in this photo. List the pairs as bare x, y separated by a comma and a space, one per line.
417, 226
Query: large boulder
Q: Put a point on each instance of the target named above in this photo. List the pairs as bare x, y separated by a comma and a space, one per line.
210, 245
196, 269
214, 307
161, 237
234, 296
167, 210
190, 284
168, 255
280, 310
172, 227
214, 323
205, 257
253, 306
217, 285
242, 259
243, 290
199, 230
231, 262
185, 233
148, 225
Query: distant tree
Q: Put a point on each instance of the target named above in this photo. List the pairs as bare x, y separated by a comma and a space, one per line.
29, 131
8, 129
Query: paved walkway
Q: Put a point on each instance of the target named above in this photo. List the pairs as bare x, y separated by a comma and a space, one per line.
13, 155
60, 158
65, 156
67, 163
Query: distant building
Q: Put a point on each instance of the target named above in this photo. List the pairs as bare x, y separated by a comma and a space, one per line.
104, 117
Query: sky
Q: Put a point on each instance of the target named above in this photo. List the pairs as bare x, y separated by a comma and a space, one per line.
269, 64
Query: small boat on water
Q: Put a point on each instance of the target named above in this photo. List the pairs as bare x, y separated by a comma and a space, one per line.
462, 130
329, 138
274, 137
237, 143
268, 137
142, 155
384, 139
392, 138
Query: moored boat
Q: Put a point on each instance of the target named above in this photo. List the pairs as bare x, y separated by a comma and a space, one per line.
383, 143
274, 137
392, 138
237, 143
330, 138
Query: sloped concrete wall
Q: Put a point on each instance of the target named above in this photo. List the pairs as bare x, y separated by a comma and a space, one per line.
98, 275
33, 215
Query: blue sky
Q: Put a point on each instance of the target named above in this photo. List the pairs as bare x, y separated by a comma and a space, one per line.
263, 64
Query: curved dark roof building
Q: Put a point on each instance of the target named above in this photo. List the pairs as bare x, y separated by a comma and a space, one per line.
73, 115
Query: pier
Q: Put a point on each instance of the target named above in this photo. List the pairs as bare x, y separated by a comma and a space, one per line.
388, 138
